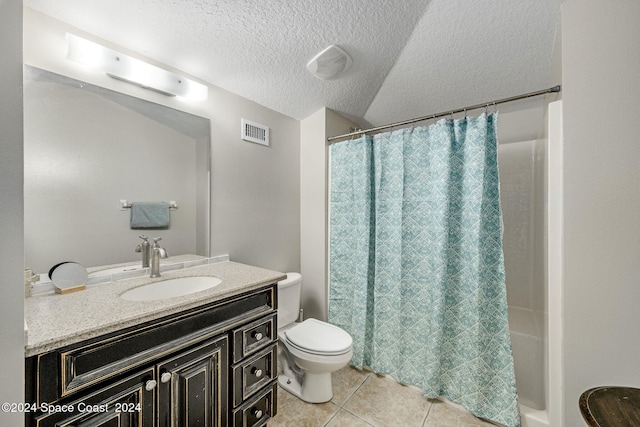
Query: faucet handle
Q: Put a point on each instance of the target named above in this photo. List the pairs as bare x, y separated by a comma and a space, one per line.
145, 242
162, 252
156, 248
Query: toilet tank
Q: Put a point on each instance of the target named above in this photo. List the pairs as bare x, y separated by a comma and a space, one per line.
289, 291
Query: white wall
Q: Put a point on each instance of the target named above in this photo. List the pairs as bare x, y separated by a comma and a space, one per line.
313, 214
601, 89
11, 211
314, 163
255, 213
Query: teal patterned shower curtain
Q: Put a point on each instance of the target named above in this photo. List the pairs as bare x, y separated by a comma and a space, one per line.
416, 262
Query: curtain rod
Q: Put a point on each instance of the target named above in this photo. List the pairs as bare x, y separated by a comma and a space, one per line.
447, 113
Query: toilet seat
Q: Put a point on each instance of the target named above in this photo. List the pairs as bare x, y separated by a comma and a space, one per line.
316, 337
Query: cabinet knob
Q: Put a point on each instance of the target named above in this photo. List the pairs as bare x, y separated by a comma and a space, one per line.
150, 385
257, 372
165, 377
257, 413
257, 335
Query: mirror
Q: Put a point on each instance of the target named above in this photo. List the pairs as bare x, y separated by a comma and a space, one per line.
86, 148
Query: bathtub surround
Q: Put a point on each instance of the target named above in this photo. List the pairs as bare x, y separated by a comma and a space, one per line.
521, 190
416, 262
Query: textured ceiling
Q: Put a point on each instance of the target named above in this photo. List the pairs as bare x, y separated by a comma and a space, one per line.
410, 57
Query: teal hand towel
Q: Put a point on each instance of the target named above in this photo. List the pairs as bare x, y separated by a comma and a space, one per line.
149, 215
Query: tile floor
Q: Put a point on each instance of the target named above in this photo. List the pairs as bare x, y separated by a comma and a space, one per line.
363, 399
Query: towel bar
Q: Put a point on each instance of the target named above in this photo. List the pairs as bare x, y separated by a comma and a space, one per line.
124, 204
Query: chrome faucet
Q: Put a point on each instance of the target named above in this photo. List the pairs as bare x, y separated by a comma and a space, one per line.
144, 249
156, 253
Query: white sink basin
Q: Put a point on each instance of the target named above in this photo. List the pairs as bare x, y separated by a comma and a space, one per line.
171, 288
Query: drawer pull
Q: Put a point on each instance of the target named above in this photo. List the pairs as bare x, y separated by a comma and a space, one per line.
150, 385
257, 335
257, 413
257, 372
165, 377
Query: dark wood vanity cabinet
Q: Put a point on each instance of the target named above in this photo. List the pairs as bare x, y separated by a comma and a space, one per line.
210, 366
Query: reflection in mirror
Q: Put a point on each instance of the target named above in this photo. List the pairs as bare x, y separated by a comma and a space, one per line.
85, 149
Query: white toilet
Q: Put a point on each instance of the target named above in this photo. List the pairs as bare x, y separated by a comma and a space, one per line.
308, 351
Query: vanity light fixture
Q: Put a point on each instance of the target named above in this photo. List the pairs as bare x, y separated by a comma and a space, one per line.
131, 70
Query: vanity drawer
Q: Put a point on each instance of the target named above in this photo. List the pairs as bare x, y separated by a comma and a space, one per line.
253, 337
258, 410
253, 374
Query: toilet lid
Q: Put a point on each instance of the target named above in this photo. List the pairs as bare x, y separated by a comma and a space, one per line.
318, 337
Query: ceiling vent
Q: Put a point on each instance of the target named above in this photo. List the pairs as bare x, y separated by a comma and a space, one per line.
329, 63
254, 132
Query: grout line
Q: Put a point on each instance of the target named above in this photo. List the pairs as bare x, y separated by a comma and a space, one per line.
426, 417
366, 377
364, 421
342, 408
332, 417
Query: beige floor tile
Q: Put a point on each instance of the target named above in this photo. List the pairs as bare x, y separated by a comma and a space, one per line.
382, 403
345, 382
442, 414
294, 412
346, 419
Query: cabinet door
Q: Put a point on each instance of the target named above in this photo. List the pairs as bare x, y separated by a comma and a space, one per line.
127, 403
193, 386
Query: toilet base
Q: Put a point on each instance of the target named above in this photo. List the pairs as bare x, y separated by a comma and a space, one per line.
315, 388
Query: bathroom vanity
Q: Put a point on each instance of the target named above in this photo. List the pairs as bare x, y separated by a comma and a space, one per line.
207, 358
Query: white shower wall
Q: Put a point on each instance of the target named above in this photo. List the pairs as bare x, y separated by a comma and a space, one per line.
521, 166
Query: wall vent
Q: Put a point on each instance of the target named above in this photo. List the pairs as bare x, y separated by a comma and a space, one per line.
254, 132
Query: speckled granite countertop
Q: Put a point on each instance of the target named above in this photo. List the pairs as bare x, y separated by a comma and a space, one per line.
55, 321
